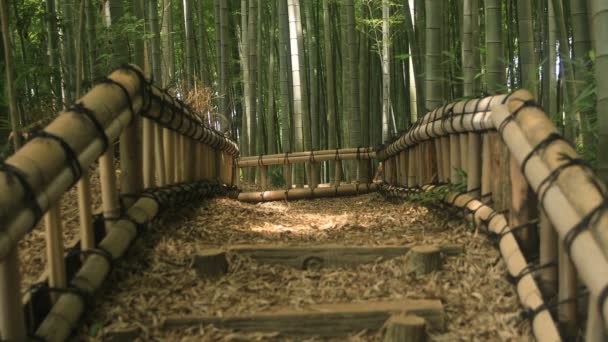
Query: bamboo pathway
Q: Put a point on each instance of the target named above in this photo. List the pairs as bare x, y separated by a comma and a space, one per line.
157, 281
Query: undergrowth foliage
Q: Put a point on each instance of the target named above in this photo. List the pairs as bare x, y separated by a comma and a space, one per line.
438, 193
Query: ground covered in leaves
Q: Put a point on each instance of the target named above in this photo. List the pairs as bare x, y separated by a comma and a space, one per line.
156, 280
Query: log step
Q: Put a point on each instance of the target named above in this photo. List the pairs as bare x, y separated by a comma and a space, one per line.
326, 320
306, 257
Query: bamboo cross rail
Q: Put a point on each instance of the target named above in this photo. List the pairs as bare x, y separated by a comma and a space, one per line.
532, 166
363, 184
33, 180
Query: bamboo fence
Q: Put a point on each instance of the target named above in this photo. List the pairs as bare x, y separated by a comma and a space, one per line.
526, 191
313, 159
170, 158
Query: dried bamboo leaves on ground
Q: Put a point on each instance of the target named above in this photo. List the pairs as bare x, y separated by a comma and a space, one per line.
156, 280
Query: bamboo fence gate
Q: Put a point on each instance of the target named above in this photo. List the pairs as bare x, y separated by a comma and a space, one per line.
531, 178
168, 157
362, 174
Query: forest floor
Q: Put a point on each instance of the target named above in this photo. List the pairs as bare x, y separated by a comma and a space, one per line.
156, 279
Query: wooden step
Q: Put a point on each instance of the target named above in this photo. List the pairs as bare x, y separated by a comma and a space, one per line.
315, 256
326, 320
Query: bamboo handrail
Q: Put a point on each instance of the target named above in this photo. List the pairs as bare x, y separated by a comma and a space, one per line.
301, 157
528, 291
551, 168
49, 176
33, 179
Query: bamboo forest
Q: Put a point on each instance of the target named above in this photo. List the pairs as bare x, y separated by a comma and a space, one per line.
304, 170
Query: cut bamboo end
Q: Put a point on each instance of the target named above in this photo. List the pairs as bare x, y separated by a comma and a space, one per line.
210, 264
423, 260
405, 328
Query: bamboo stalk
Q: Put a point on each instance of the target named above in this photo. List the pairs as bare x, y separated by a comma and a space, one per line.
519, 210
87, 234
168, 142
54, 250
338, 171
404, 167
281, 160
548, 254
362, 151
446, 161
314, 177
411, 168
439, 158
304, 193
264, 177
474, 164
131, 182
287, 175
12, 323
562, 213
455, 165
148, 153
464, 152
419, 166
486, 169
568, 284
159, 155
109, 190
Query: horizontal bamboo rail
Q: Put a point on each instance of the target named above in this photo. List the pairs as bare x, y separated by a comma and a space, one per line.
33, 180
534, 164
309, 156
314, 161
496, 224
304, 193
70, 306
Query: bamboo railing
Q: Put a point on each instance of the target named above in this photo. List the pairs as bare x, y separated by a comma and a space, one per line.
532, 175
178, 160
362, 184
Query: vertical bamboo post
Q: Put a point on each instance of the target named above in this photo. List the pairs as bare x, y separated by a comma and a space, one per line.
54, 249
264, 177
388, 171
148, 157
464, 153
287, 175
12, 323
131, 182
178, 157
548, 254
495, 170
419, 166
445, 156
486, 170
159, 155
403, 167
168, 141
439, 156
398, 172
198, 160
595, 325
455, 165
411, 168
338, 171
109, 191
566, 315
519, 212
87, 234
474, 164
314, 177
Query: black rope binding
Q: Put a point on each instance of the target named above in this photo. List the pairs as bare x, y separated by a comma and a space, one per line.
70, 155
28, 192
530, 268
547, 183
508, 119
542, 145
80, 108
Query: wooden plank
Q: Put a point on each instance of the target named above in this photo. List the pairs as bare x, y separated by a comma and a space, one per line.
324, 320
303, 257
